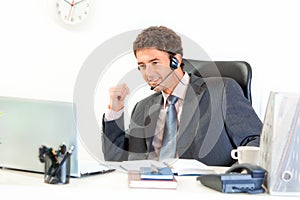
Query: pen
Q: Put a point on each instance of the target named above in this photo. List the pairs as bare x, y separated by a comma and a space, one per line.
170, 164
68, 154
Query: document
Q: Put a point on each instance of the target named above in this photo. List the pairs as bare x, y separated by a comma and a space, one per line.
180, 167
135, 165
189, 167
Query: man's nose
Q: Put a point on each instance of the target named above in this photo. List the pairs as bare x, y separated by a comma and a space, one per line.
150, 70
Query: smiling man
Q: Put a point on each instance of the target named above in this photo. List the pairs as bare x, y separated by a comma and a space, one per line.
187, 117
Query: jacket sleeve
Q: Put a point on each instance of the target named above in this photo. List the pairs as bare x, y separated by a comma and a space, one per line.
241, 122
114, 140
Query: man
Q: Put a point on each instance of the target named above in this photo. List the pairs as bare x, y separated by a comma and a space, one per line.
213, 116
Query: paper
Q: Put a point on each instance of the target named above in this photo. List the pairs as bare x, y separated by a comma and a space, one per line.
135, 165
189, 167
180, 167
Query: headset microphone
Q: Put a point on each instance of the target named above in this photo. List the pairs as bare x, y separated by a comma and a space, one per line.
153, 87
173, 66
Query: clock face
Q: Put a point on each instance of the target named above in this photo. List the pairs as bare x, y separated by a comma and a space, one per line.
73, 11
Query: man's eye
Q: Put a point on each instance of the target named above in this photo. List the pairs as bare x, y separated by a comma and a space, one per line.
154, 62
142, 66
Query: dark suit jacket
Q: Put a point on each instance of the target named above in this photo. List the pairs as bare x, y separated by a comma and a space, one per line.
216, 118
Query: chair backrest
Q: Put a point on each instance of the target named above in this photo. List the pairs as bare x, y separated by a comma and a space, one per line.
238, 70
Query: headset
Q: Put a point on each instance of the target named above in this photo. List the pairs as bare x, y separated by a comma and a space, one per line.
173, 62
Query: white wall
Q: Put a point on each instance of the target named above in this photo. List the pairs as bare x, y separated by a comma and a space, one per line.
41, 59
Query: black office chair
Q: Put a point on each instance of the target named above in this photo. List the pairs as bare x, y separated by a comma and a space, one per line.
238, 70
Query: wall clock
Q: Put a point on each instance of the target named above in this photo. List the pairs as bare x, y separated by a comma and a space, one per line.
74, 11
71, 13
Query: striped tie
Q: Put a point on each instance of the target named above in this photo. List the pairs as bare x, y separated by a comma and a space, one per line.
168, 148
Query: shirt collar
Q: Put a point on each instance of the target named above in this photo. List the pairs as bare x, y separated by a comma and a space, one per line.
180, 89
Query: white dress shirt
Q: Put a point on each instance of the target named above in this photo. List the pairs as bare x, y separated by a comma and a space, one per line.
180, 92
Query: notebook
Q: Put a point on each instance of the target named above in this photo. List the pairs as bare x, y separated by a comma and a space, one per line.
27, 124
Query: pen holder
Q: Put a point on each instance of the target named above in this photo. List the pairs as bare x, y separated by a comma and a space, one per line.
57, 171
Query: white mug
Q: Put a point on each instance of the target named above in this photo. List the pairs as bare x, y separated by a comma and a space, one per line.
246, 154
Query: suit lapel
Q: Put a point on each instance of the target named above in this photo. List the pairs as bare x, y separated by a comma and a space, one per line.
152, 111
190, 114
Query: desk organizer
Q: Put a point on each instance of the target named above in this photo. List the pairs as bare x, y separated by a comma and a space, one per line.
280, 144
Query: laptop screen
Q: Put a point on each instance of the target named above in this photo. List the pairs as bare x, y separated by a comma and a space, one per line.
27, 124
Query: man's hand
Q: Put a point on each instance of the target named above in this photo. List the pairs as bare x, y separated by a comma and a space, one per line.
117, 96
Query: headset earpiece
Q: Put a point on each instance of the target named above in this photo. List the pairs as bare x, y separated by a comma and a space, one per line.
173, 62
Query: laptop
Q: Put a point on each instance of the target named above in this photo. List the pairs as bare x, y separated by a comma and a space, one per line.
27, 124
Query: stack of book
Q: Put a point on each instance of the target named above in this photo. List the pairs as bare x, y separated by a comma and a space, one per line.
155, 174
152, 177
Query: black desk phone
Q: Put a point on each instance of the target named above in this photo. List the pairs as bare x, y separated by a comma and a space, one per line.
237, 179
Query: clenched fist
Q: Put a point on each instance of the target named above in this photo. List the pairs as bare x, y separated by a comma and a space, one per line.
117, 96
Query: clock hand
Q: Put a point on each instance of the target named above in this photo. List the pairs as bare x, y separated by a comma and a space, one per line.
78, 2
72, 4
67, 2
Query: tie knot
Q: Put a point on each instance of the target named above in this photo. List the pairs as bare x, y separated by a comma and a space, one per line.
172, 99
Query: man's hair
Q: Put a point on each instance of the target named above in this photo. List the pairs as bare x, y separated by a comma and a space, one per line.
159, 37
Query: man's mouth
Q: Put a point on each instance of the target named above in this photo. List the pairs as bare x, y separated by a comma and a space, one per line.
153, 83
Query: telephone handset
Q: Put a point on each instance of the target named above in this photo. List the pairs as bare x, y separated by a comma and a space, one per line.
239, 178
255, 170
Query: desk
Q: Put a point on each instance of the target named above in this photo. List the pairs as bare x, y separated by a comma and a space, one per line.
19, 184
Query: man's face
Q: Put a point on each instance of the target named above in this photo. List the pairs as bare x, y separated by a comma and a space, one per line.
155, 68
